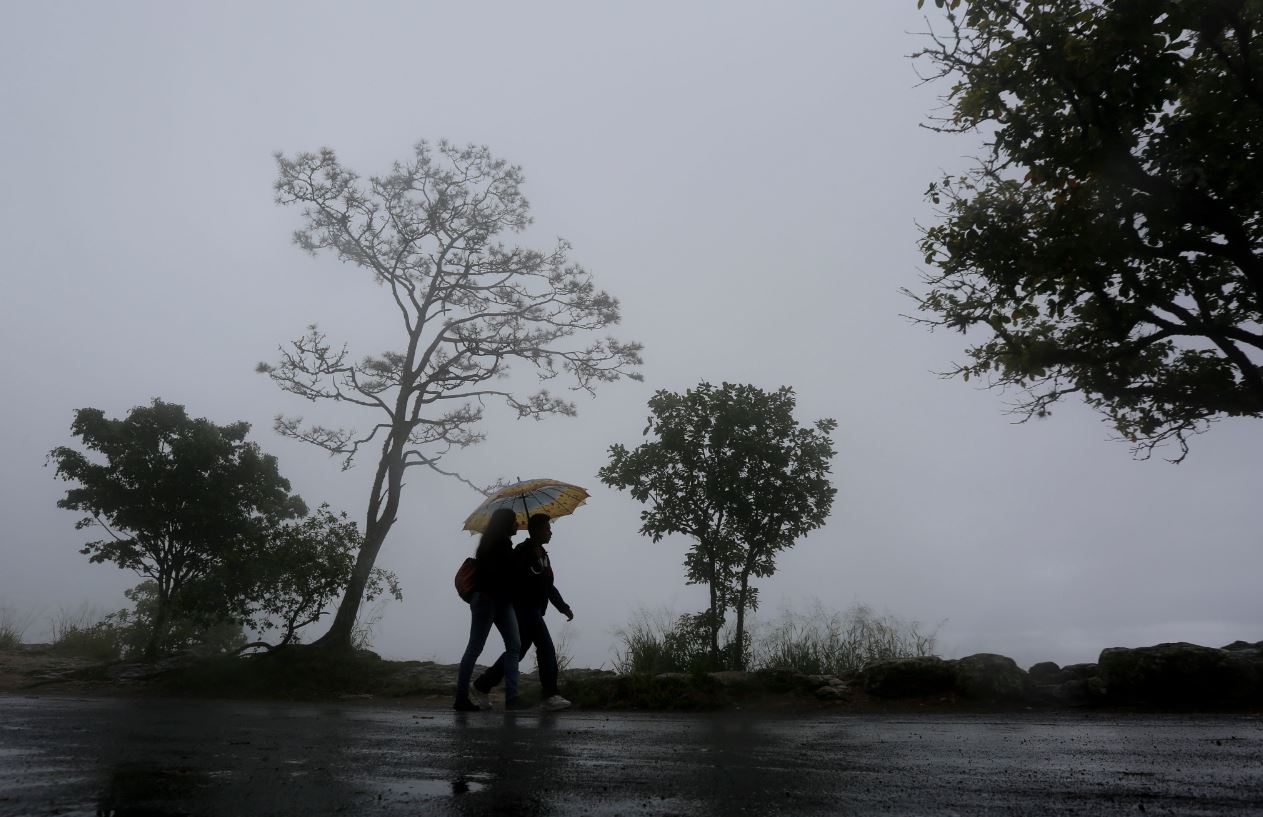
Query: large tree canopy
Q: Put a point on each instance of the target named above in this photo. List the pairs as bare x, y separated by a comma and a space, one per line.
466, 308
175, 496
1110, 241
731, 468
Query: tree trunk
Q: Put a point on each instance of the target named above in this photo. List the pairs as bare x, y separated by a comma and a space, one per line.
380, 520
339, 635
715, 618
160, 616
743, 600
741, 621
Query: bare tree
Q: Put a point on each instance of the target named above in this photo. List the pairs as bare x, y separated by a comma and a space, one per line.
468, 307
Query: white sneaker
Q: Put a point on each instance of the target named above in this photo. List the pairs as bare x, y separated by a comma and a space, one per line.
479, 698
554, 703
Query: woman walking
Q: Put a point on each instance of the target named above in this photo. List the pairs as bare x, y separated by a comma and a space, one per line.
492, 603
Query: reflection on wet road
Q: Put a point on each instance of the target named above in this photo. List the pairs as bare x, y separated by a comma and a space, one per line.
114, 758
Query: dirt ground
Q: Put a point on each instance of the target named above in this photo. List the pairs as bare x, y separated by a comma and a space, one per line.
36, 665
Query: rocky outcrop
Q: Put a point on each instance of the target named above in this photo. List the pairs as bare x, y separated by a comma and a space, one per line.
1071, 685
1183, 675
986, 678
1075, 692
909, 677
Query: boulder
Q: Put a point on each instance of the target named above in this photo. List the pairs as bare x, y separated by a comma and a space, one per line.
1047, 673
734, 679
990, 677
786, 680
1182, 675
829, 692
1073, 692
584, 674
1081, 672
909, 677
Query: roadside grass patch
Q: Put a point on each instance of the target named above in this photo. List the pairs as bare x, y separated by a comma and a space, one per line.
824, 642
818, 642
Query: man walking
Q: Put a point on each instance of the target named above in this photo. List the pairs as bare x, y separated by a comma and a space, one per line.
533, 589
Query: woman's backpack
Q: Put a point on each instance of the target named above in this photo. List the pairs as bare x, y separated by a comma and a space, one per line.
465, 579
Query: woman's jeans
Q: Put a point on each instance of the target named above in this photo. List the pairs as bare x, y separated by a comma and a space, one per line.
484, 611
531, 630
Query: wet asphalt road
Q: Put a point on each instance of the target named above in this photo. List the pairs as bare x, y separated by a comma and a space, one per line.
153, 758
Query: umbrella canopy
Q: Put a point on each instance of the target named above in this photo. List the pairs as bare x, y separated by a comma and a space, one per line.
532, 496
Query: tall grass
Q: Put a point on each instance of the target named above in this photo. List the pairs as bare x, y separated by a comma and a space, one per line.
820, 642
364, 630
824, 642
643, 649
12, 628
563, 648
85, 633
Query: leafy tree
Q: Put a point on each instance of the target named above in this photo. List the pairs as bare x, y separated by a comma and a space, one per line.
1109, 242
731, 468
467, 307
301, 568
174, 496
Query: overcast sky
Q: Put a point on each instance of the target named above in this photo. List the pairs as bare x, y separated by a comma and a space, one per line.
746, 177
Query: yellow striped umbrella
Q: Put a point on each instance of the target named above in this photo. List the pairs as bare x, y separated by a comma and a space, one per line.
532, 496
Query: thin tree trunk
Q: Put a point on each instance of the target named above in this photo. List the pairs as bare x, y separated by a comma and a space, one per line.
713, 624
339, 635
741, 621
742, 601
378, 525
160, 616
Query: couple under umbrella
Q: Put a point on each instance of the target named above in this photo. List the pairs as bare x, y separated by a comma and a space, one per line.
512, 588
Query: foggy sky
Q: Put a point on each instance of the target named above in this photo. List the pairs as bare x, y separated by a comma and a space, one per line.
747, 179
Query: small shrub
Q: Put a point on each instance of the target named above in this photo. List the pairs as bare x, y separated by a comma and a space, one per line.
840, 643
687, 644
133, 627
561, 644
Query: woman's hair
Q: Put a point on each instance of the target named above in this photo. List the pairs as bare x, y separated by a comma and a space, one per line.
502, 525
